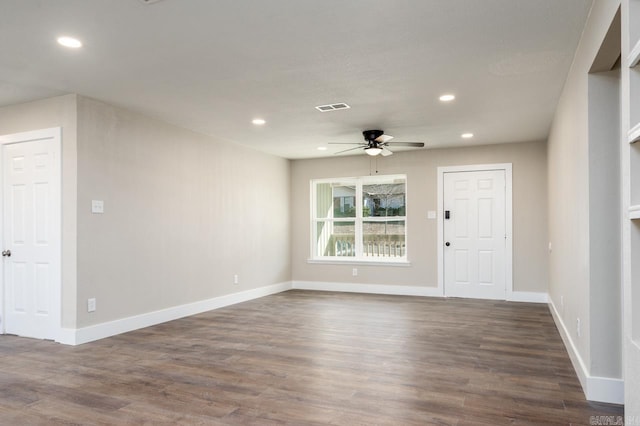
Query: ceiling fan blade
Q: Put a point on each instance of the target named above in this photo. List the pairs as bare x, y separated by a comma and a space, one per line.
385, 152
414, 144
383, 138
347, 150
346, 143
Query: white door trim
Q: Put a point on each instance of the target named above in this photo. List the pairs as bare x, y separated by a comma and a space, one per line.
507, 167
54, 135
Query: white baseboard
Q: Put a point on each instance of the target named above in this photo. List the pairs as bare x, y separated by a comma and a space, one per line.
404, 290
398, 290
100, 331
605, 389
112, 328
528, 296
66, 336
601, 389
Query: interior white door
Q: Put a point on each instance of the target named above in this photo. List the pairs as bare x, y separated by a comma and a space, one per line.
31, 234
475, 234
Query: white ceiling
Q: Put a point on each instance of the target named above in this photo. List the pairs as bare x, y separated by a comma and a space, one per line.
214, 65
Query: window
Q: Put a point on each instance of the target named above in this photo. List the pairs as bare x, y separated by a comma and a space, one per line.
359, 219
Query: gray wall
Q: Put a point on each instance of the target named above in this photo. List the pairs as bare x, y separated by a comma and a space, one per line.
183, 214
529, 212
55, 112
570, 218
605, 239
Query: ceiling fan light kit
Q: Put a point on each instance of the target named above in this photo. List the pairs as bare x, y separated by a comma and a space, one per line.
373, 150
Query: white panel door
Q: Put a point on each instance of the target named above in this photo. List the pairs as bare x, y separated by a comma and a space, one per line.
31, 235
475, 234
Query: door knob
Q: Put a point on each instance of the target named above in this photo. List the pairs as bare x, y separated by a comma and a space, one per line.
6, 253
447, 244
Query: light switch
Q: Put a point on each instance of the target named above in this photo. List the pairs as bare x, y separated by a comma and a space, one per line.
431, 214
97, 206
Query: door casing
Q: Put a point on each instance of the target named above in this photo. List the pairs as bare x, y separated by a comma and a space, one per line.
507, 167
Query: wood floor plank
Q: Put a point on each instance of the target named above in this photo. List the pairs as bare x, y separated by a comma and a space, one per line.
303, 357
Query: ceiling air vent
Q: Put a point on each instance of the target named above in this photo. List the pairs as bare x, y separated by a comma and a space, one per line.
149, 1
332, 107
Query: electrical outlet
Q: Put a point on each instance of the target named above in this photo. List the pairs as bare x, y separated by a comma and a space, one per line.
91, 305
355, 272
235, 279
578, 327
562, 301
550, 247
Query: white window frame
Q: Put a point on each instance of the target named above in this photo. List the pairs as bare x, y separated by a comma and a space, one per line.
358, 220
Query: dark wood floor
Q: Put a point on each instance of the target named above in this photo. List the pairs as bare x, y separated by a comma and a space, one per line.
308, 358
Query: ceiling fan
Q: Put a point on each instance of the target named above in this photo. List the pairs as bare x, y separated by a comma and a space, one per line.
375, 143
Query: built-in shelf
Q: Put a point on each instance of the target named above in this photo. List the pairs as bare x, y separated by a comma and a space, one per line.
633, 135
634, 212
634, 55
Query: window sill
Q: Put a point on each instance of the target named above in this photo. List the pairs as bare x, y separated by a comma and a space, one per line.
401, 263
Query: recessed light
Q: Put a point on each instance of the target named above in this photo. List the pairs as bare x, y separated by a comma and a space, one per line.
322, 148
467, 135
447, 98
71, 42
258, 121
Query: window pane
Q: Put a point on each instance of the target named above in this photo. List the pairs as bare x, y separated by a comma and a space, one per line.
344, 200
335, 198
323, 200
384, 199
384, 239
335, 238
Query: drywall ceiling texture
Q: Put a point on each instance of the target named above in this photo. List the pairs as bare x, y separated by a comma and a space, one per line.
569, 214
529, 213
213, 66
60, 111
182, 215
